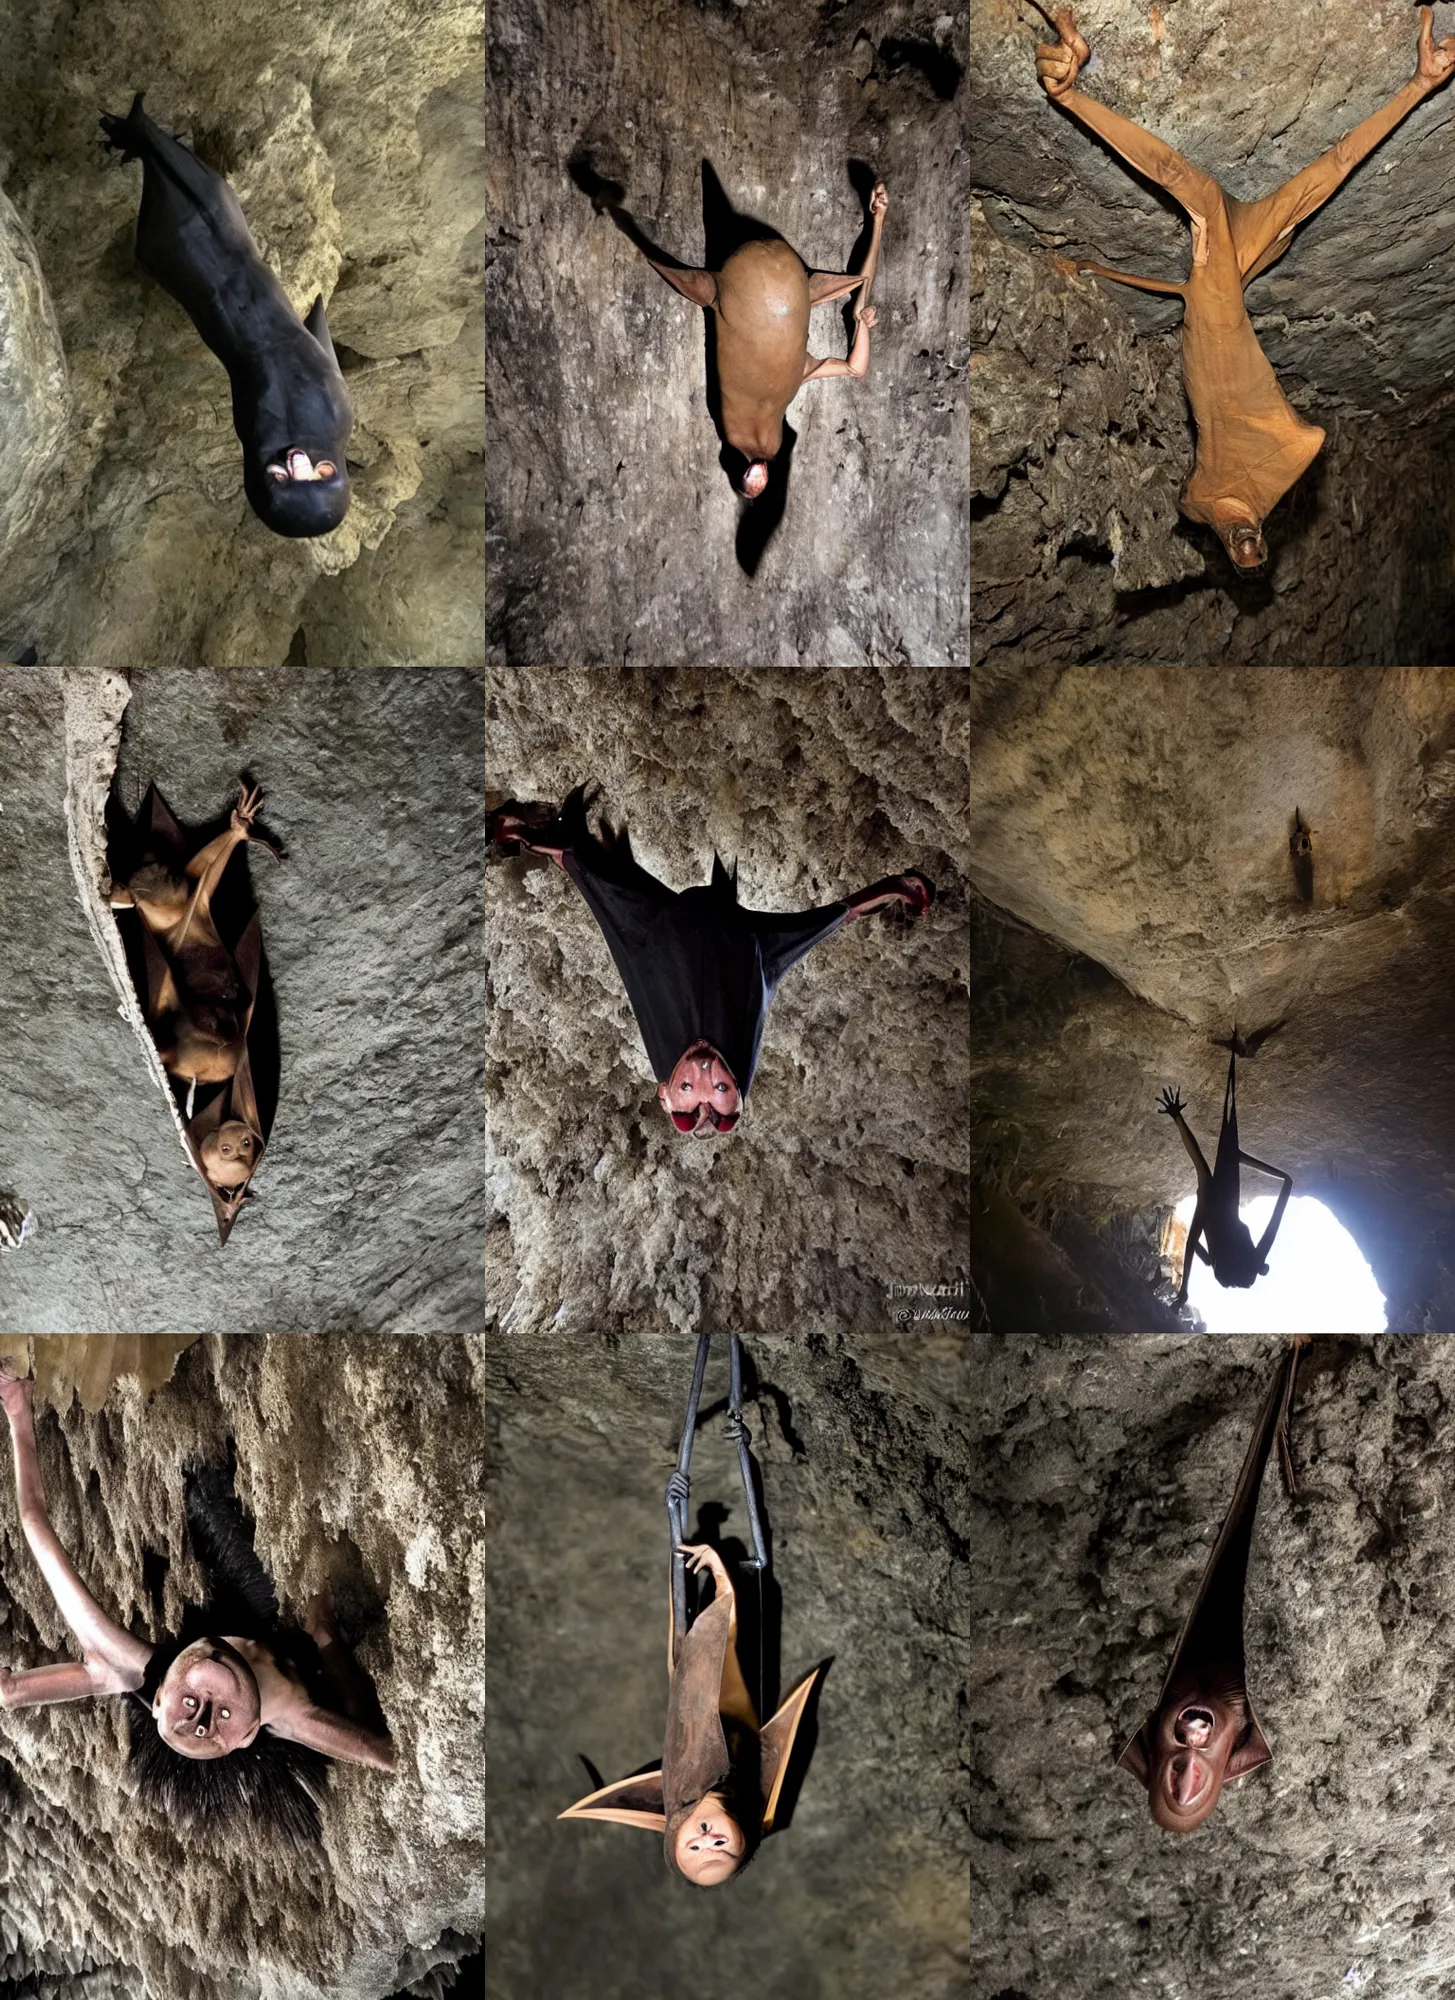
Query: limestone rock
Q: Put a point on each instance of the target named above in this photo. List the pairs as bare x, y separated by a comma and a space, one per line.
34, 393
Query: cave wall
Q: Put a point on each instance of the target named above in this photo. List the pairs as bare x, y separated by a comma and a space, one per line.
1101, 1472
368, 1200
367, 1483
352, 135
1082, 438
613, 526
1130, 842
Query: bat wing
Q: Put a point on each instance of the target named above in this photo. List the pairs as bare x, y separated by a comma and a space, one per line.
776, 1744
699, 286
826, 285
159, 829
317, 324
634, 1801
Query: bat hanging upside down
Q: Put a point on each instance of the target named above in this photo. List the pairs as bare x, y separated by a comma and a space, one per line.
200, 994
290, 406
1251, 444
1235, 1259
1203, 1732
762, 297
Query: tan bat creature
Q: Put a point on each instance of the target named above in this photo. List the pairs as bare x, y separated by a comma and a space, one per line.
1251, 444
762, 297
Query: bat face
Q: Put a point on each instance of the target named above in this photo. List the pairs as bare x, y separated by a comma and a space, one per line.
1198, 1743
710, 1845
298, 506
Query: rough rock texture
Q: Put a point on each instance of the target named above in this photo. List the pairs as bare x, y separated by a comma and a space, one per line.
367, 1214
614, 525
848, 1170
34, 393
1082, 436
614, 1241
863, 1447
1132, 830
352, 137
1101, 1475
369, 1485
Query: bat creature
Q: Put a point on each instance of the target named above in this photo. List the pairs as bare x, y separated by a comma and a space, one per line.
290, 405
1251, 444
200, 992
700, 970
1231, 1251
762, 298
1203, 1733
717, 1792
1301, 854
233, 1718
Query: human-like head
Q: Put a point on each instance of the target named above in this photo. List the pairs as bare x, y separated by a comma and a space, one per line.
1196, 1746
207, 1704
1237, 1262
300, 491
230, 1154
701, 1095
755, 479
710, 1845
1245, 544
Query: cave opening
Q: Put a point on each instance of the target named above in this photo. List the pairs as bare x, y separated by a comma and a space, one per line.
1318, 1281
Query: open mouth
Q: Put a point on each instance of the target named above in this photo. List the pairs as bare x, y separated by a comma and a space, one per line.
1194, 1725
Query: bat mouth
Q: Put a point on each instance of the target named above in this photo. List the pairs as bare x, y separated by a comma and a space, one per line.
1195, 1725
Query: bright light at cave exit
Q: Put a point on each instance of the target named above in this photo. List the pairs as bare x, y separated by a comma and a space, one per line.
1318, 1281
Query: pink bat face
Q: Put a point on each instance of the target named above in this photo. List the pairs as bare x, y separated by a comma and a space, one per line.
296, 464
701, 1095
1196, 1748
208, 1703
710, 1844
755, 479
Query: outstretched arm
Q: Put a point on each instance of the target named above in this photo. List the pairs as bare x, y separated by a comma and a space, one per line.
1265, 1243
1171, 1102
1263, 226
914, 890
115, 1663
1058, 65
334, 1736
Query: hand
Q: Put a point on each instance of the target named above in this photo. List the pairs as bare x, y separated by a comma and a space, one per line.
1057, 66
879, 200
700, 1556
1171, 1102
866, 315
246, 809
918, 892
16, 1389
1437, 59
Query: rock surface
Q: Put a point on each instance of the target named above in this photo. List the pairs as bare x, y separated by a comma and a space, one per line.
614, 526
1083, 438
614, 1241
1134, 830
1102, 1471
368, 1486
367, 1214
352, 137
34, 393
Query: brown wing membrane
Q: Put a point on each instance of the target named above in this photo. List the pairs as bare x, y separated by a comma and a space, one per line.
776, 1744
826, 285
629, 1802
699, 286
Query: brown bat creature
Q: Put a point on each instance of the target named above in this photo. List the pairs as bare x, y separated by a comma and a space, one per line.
762, 297
200, 991
716, 1794
1251, 444
1203, 1733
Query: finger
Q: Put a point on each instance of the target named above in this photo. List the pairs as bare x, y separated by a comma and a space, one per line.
1427, 15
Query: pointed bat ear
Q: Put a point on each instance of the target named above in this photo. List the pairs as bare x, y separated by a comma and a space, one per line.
1133, 1757
826, 285
776, 1744
1249, 1756
629, 1802
317, 324
699, 286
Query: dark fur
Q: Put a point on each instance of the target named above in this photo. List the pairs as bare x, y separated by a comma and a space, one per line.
273, 1785
287, 388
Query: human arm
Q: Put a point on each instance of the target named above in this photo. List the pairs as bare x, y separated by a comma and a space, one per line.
114, 1663
1265, 1242
332, 1735
1263, 227
857, 364
914, 890
1058, 65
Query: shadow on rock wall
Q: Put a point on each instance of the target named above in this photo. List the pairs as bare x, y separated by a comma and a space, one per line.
617, 536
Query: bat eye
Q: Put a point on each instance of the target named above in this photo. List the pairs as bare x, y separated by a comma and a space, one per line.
189, 1702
